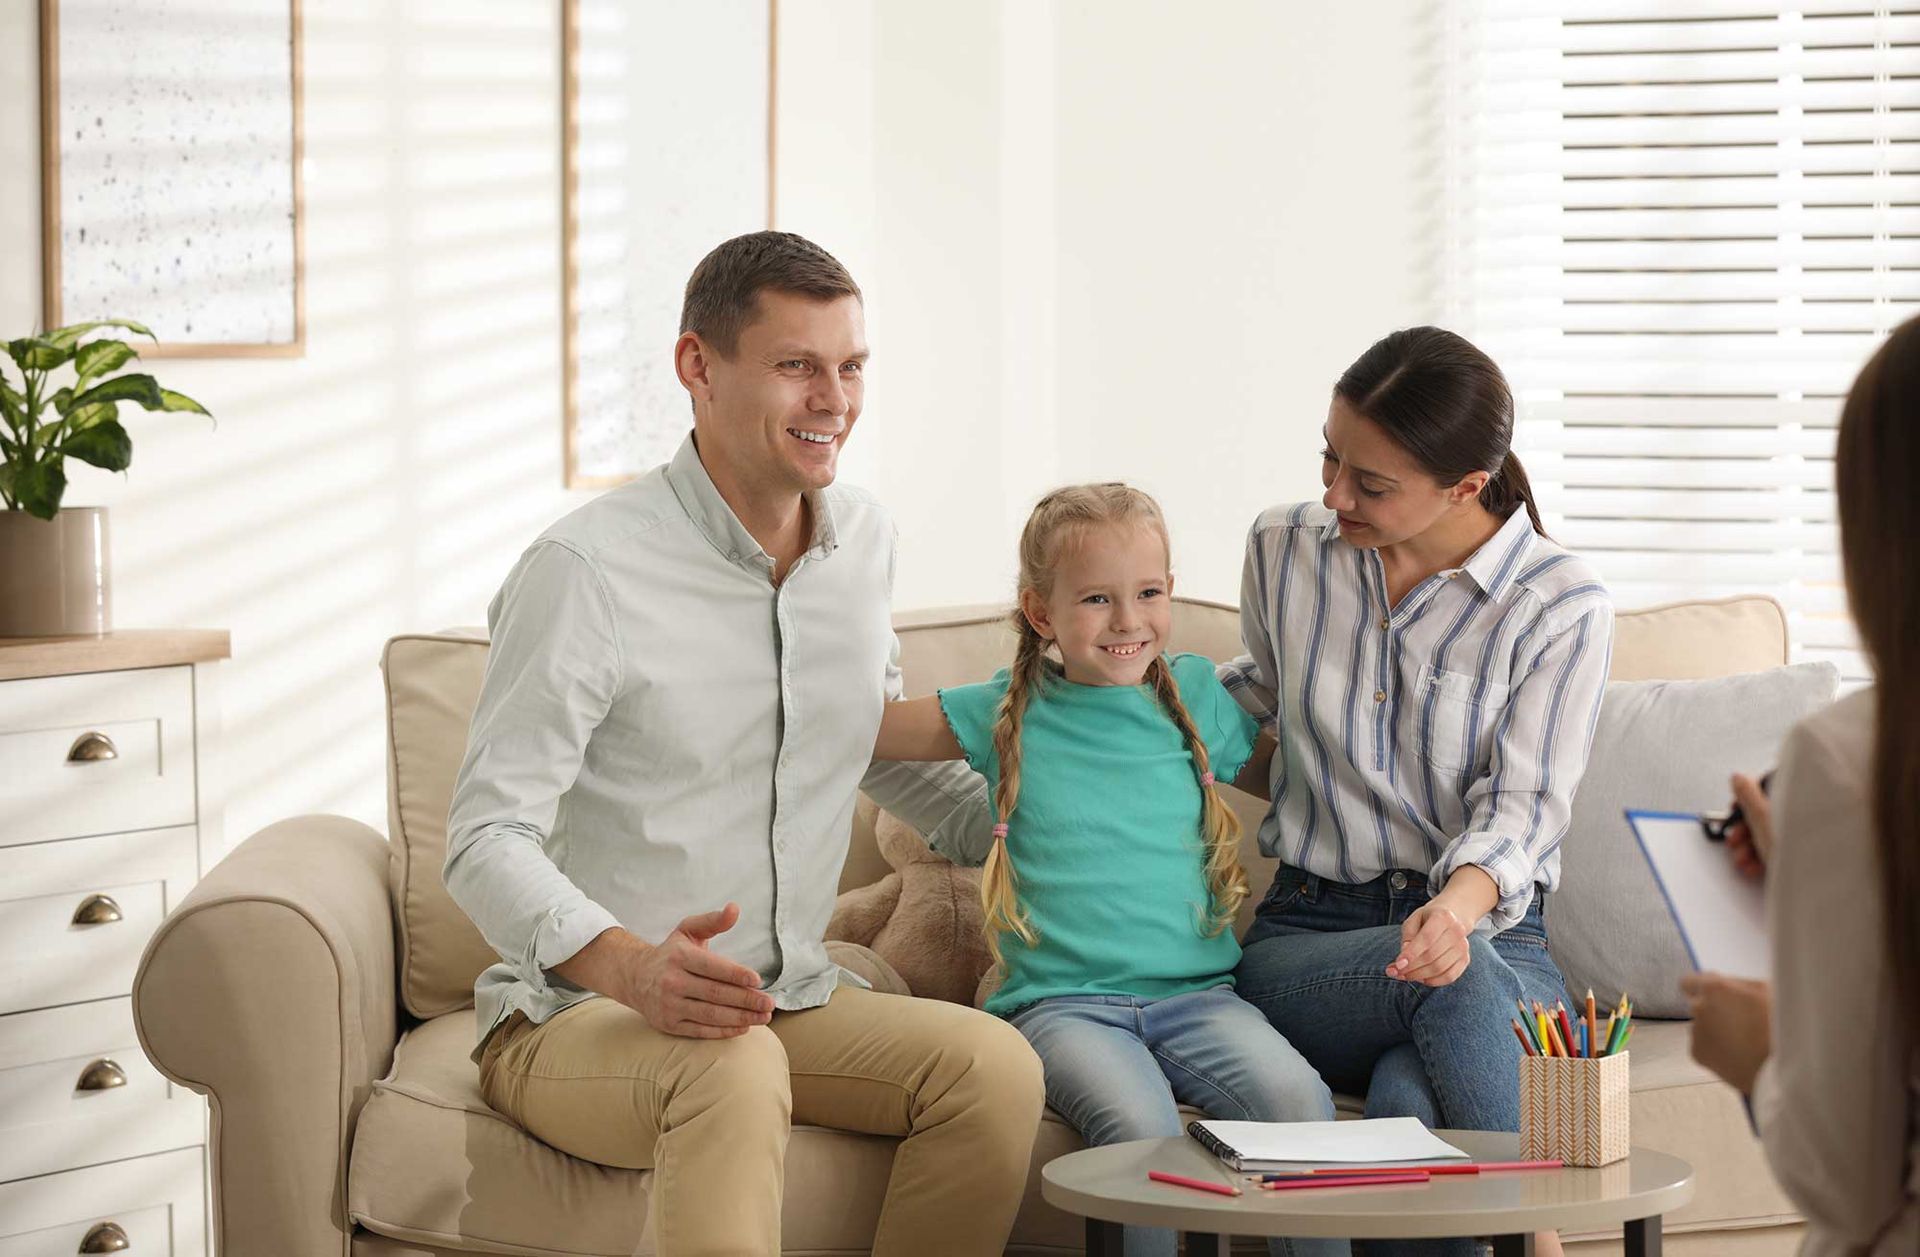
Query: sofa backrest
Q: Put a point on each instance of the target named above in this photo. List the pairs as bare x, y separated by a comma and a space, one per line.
433, 682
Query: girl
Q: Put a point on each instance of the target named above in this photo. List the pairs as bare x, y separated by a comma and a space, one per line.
1830, 1051
1434, 664
1113, 877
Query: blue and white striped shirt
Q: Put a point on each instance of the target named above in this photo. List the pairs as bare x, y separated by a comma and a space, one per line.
1449, 730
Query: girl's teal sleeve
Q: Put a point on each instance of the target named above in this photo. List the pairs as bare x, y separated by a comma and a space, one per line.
1223, 724
970, 711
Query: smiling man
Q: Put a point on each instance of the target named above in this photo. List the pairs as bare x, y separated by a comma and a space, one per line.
681, 699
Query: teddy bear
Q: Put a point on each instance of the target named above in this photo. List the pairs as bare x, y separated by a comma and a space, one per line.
923, 919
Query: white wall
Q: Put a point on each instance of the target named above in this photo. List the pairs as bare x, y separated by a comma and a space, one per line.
1118, 238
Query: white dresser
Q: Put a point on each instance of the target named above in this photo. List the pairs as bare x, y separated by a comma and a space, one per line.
109, 811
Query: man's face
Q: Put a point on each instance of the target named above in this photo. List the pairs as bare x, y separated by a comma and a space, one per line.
779, 409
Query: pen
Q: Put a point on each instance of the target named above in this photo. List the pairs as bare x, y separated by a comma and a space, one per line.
1198, 1184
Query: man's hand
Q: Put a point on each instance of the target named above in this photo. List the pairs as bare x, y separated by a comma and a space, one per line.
678, 984
1750, 839
1731, 1035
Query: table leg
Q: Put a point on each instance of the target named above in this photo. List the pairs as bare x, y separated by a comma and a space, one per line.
1207, 1245
1513, 1245
1103, 1238
1643, 1237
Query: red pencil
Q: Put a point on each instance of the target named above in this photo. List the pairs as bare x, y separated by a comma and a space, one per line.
1471, 1167
1349, 1180
1198, 1184
1566, 1023
1526, 1044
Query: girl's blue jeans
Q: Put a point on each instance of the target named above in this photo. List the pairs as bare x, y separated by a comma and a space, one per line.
1315, 964
1117, 1068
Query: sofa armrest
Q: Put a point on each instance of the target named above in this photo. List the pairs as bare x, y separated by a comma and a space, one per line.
271, 990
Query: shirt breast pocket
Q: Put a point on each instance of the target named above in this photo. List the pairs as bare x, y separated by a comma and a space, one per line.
1458, 714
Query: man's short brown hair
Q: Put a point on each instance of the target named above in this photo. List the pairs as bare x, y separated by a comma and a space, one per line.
724, 290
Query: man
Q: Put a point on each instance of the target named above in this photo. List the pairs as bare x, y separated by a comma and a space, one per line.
681, 698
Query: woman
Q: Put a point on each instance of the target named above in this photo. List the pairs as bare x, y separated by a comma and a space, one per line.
1432, 664
1830, 1054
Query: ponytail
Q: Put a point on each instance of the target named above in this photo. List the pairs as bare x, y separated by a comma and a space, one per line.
1509, 489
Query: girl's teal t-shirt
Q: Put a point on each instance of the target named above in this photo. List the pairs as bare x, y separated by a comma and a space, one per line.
1107, 848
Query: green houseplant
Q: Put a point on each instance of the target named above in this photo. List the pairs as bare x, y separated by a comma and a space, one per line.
53, 570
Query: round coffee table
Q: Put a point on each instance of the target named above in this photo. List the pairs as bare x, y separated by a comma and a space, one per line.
1109, 1187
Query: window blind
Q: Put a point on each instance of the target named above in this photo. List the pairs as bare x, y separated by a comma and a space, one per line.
1681, 226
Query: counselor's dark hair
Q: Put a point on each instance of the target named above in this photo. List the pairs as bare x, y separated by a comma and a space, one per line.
1876, 462
1447, 404
724, 289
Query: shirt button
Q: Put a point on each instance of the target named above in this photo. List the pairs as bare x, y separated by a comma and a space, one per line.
1385, 623
1398, 881
1379, 696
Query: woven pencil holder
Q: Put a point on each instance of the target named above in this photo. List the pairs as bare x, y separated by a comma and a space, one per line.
1574, 1108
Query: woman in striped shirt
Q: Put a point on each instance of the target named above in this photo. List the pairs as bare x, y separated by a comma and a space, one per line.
1432, 665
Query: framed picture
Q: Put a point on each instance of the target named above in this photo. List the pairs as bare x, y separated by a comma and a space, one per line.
668, 136
170, 155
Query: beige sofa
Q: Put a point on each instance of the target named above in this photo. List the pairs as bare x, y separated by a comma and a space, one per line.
315, 985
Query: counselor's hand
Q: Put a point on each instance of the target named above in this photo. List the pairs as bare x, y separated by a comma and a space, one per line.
1433, 945
1750, 839
1731, 1031
678, 984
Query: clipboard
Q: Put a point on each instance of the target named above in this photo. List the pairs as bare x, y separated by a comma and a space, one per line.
1721, 912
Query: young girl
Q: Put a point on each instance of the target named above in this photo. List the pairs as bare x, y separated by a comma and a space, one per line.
1113, 876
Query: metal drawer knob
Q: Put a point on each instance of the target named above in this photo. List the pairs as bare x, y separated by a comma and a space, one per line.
91, 748
101, 1075
96, 910
105, 1237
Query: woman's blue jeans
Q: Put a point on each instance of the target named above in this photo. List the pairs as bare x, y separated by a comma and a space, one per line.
1315, 963
1117, 1067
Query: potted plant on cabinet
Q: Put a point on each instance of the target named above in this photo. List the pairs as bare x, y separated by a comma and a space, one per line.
53, 559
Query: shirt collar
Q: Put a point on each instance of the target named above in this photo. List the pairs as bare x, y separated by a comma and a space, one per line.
1494, 566
700, 498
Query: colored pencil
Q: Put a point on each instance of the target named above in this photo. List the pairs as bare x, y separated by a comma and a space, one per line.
1198, 1184
1469, 1167
1346, 1180
1593, 1027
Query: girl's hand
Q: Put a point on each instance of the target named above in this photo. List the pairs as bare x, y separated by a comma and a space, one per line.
1433, 946
1731, 1032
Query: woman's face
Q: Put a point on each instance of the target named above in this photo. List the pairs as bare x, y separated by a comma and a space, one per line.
1382, 496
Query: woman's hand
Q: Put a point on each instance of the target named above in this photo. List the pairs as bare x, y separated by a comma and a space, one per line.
1433, 946
1750, 839
1433, 938
1731, 1031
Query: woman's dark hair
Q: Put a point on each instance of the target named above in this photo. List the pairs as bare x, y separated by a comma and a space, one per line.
1876, 462
1447, 404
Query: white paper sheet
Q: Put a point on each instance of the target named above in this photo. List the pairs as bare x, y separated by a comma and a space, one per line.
1378, 1139
1720, 910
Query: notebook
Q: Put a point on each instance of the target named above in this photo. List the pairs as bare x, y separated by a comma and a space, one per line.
1277, 1145
1721, 912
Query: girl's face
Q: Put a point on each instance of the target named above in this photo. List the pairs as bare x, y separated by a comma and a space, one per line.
1382, 496
1109, 609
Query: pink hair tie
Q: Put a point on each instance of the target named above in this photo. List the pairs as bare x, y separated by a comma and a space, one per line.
1000, 830
1206, 779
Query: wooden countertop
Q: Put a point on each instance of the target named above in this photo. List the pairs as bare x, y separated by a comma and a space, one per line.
22, 657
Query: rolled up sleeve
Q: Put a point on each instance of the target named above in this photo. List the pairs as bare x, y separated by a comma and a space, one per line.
553, 670
1252, 678
1518, 813
947, 801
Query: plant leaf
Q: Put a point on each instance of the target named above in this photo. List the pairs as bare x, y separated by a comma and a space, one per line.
39, 487
101, 356
36, 353
125, 388
180, 401
80, 418
69, 336
105, 445
13, 407
62, 398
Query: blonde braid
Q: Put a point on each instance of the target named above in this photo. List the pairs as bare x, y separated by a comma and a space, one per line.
1227, 885
998, 884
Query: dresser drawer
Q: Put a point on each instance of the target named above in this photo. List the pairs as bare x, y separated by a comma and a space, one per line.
96, 753
158, 1203
76, 1089
75, 915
